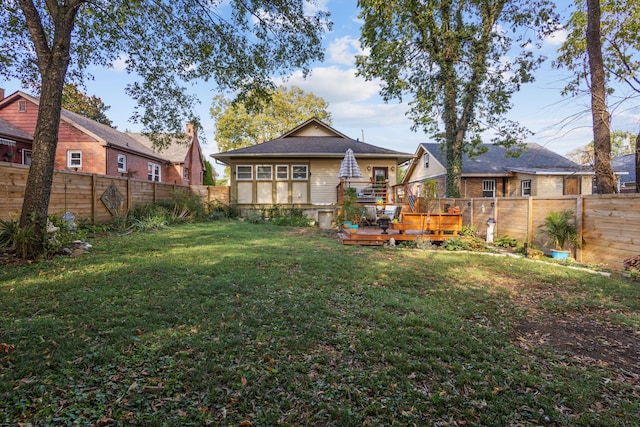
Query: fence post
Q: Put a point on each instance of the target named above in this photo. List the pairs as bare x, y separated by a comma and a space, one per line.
579, 225
530, 221
94, 198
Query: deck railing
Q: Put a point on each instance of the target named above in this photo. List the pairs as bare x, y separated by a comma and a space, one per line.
367, 192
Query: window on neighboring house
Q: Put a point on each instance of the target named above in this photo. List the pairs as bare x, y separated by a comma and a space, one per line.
122, 163
526, 187
426, 160
243, 173
282, 172
153, 172
185, 174
300, 172
264, 172
22, 106
489, 188
26, 157
74, 159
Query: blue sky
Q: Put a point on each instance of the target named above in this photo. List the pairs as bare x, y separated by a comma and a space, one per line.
560, 124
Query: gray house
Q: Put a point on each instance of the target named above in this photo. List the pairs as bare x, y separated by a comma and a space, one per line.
625, 167
496, 173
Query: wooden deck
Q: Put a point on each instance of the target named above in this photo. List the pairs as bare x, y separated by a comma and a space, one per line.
435, 227
372, 236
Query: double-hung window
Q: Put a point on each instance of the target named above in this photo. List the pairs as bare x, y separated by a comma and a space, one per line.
300, 172
243, 173
185, 174
153, 172
264, 172
282, 172
74, 159
526, 187
122, 163
489, 188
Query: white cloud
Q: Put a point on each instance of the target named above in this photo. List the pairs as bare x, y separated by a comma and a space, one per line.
343, 50
556, 38
336, 85
120, 64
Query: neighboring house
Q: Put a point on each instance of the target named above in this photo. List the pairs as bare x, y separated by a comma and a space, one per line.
536, 172
85, 145
625, 167
301, 168
15, 144
186, 161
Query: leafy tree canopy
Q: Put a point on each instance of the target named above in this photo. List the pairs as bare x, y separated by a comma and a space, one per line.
239, 44
240, 125
89, 106
619, 27
622, 143
458, 63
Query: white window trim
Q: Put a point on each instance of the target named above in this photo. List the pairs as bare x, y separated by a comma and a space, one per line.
26, 154
306, 168
426, 160
22, 106
185, 173
124, 162
258, 178
485, 187
151, 172
524, 186
286, 169
250, 169
71, 160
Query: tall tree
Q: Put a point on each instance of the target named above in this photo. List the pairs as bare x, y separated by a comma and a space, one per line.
455, 60
618, 27
605, 178
88, 106
240, 44
240, 125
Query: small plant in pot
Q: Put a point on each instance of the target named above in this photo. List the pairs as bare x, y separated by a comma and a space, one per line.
562, 230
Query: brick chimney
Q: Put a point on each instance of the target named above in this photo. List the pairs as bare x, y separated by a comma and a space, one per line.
1, 94
192, 131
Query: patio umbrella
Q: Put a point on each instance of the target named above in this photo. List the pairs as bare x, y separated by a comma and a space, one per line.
349, 167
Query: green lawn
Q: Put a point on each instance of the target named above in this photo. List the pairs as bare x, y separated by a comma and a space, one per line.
230, 323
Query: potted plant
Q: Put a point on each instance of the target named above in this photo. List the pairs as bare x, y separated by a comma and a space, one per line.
562, 230
350, 206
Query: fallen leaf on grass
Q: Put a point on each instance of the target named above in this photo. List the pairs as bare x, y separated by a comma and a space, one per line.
7, 348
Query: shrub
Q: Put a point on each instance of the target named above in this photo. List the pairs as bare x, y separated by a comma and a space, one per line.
8, 233
506, 241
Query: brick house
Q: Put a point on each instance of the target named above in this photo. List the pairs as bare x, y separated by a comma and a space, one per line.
85, 145
15, 144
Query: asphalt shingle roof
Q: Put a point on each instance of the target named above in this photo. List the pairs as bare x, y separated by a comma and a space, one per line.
176, 152
626, 163
9, 129
497, 161
327, 146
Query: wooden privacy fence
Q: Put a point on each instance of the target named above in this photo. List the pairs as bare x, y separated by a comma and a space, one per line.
84, 195
609, 224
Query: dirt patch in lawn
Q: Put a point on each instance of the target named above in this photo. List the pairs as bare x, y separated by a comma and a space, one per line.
585, 339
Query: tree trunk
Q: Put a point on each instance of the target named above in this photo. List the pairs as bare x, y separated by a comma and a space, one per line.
605, 179
53, 62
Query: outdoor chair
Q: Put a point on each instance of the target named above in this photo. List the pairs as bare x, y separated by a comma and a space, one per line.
369, 215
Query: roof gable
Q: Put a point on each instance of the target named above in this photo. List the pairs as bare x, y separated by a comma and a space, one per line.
105, 135
313, 127
312, 139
